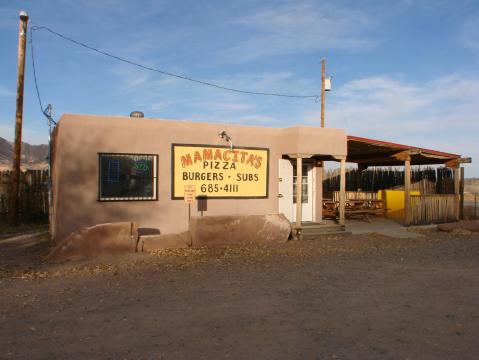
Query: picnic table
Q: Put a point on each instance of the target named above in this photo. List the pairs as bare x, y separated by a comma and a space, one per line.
364, 208
354, 208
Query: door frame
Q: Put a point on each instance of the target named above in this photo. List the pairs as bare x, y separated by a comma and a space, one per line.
286, 204
308, 210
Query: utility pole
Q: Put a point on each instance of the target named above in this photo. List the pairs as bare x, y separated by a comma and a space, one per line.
323, 88
17, 147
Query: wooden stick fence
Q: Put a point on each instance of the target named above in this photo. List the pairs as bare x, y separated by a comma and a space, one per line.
429, 209
425, 180
34, 194
356, 195
437, 202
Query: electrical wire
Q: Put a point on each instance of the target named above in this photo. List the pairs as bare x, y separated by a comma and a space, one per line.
35, 71
43, 110
183, 77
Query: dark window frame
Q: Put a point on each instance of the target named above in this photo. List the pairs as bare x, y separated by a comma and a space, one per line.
137, 198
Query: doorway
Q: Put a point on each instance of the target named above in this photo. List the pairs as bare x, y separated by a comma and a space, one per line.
287, 190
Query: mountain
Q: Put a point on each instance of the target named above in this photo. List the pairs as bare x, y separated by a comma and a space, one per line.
33, 156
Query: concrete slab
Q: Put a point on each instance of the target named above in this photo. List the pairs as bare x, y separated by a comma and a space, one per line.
380, 225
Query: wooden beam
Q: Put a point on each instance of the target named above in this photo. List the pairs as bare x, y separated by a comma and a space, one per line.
461, 192
406, 154
457, 186
467, 160
342, 191
407, 192
394, 162
373, 156
456, 162
452, 163
299, 195
389, 158
318, 193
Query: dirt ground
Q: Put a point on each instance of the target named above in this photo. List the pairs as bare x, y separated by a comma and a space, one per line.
351, 297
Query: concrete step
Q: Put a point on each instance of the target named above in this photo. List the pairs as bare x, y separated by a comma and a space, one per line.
318, 229
318, 236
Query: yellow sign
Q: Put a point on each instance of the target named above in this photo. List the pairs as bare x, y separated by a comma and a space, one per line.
190, 194
220, 172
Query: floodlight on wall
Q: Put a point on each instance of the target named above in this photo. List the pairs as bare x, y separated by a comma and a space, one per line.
226, 137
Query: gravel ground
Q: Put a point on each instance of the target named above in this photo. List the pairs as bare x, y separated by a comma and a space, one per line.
351, 297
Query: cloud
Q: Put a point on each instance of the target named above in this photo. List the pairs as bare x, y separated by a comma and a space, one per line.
223, 106
5, 92
9, 17
441, 114
300, 26
470, 33
255, 119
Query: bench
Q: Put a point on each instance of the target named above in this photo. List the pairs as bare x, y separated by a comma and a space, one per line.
363, 213
354, 208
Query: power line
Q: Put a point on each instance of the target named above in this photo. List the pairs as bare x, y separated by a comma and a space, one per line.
183, 77
35, 71
45, 111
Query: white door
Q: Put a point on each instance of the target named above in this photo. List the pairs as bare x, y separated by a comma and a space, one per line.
307, 189
287, 190
286, 206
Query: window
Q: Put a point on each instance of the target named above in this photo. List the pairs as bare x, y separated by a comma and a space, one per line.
304, 187
127, 177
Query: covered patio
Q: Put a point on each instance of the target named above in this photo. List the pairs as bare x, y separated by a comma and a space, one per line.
367, 153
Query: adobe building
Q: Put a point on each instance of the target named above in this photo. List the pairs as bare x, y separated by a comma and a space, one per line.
112, 169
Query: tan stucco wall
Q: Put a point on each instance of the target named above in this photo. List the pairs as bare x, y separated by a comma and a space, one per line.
79, 139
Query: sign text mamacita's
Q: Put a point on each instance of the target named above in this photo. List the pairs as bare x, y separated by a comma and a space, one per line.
221, 157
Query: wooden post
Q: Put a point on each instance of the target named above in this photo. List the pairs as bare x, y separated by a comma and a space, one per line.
323, 98
299, 194
457, 190
17, 147
323, 87
461, 191
318, 193
342, 192
407, 192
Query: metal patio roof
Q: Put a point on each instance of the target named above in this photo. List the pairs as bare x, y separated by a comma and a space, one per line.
371, 152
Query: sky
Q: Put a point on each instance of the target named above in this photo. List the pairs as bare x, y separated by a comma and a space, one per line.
403, 70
